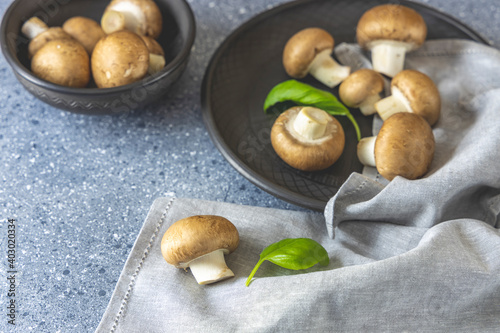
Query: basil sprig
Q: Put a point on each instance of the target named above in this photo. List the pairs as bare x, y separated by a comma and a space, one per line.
305, 95
293, 253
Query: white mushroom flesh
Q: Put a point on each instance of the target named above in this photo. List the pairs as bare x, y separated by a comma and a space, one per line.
156, 63
366, 151
326, 70
310, 123
388, 56
395, 103
135, 20
210, 268
368, 106
33, 27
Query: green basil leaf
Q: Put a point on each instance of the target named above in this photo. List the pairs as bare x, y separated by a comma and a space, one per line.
293, 253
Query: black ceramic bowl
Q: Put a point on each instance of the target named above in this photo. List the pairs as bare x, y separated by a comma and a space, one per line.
177, 39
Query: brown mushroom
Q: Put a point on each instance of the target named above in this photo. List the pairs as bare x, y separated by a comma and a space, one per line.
140, 16
411, 91
64, 62
119, 58
39, 34
362, 90
85, 30
403, 147
390, 31
307, 138
200, 243
156, 55
309, 52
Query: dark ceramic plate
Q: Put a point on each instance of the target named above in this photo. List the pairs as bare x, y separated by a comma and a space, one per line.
248, 64
177, 39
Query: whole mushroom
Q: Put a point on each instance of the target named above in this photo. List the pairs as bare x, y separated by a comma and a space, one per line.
40, 33
156, 55
307, 138
362, 90
200, 243
309, 52
119, 58
140, 16
390, 31
411, 91
64, 62
85, 30
403, 147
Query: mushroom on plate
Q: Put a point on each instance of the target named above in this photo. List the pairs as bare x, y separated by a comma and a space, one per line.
403, 147
85, 30
309, 52
200, 243
156, 55
119, 58
64, 62
362, 90
140, 16
411, 91
307, 138
40, 33
390, 31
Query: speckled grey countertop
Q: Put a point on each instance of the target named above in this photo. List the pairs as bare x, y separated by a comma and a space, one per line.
80, 186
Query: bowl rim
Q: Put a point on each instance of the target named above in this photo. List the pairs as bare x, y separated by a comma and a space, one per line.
176, 62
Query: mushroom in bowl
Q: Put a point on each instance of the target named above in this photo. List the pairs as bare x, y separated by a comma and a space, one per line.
362, 90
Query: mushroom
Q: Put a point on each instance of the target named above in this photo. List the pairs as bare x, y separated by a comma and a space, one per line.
64, 62
403, 147
39, 33
390, 31
140, 16
307, 138
85, 30
309, 52
119, 58
411, 91
362, 90
156, 55
200, 243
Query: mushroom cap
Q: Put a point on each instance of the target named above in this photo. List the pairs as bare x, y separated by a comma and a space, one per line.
119, 58
152, 23
303, 154
301, 49
40, 40
64, 62
360, 85
195, 236
85, 30
391, 22
404, 146
421, 92
153, 46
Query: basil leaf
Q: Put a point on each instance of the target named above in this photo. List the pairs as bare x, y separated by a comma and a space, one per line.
305, 95
293, 253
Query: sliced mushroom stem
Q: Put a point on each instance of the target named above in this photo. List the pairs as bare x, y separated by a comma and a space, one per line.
368, 106
112, 21
33, 27
156, 63
390, 105
311, 123
326, 70
210, 268
366, 151
388, 56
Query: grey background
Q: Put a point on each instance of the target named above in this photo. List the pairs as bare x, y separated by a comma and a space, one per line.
80, 186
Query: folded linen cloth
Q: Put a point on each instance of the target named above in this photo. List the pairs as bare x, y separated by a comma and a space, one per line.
415, 256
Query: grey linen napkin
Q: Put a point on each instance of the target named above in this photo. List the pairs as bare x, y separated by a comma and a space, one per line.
414, 256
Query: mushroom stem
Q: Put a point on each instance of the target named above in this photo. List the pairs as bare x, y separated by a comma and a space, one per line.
311, 123
388, 56
156, 63
366, 151
368, 106
33, 27
210, 268
112, 21
390, 105
326, 70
